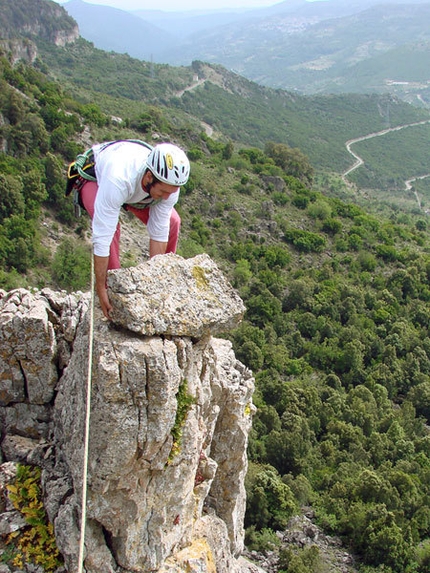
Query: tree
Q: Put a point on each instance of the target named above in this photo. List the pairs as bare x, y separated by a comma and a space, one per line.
71, 265
291, 160
93, 114
423, 556
242, 273
34, 125
34, 192
420, 398
54, 177
287, 449
386, 545
299, 295
21, 235
228, 150
11, 197
332, 226
305, 560
270, 502
263, 308
14, 108
251, 355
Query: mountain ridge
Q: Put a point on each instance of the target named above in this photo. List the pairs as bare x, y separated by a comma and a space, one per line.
290, 38
101, 25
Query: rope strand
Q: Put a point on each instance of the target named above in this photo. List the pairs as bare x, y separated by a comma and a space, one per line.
87, 425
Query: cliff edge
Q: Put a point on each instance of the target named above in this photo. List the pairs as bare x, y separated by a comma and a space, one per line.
171, 410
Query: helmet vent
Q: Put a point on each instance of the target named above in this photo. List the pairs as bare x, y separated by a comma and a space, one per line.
169, 164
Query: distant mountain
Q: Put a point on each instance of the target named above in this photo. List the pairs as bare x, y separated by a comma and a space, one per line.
114, 30
374, 50
241, 110
184, 24
329, 46
119, 31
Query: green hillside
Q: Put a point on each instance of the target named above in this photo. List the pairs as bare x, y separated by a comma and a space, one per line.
335, 278
387, 71
234, 107
388, 165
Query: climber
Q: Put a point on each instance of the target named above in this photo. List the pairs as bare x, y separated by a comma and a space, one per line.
143, 180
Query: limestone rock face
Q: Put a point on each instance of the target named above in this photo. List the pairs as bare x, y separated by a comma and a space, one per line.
171, 410
19, 49
163, 297
37, 18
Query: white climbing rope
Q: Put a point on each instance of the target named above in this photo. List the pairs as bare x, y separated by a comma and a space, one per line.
87, 424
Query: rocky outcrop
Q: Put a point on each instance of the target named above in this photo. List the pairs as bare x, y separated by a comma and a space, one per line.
38, 19
23, 23
171, 409
19, 49
302, 533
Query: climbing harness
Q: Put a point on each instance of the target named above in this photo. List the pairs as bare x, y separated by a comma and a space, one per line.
80, 171
87, 425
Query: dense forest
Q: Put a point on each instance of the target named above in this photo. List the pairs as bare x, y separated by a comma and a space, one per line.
336, 289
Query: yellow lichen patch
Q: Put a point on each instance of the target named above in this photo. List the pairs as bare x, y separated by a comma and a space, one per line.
199, 275
248, 409
200, 547
195, 558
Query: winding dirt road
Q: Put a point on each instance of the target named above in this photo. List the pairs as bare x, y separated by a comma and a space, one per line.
359, 161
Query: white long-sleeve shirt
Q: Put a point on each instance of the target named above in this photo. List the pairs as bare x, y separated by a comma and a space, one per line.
119, 171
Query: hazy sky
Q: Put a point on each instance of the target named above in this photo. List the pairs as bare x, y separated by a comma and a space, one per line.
182, 5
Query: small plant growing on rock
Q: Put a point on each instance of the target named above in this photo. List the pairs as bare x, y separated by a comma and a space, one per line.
36, 542
185, 401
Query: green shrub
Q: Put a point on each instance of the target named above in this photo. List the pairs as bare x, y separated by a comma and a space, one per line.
36, 543
72, 265
184, 403
305, 241
263, 540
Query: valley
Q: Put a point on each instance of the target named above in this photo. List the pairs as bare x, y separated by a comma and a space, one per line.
305, 47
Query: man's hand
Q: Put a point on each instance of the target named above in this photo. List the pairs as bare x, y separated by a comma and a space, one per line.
104, 301
156, 248
100, 271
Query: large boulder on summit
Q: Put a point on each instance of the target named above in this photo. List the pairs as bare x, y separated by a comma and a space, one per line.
171, 410
170, 295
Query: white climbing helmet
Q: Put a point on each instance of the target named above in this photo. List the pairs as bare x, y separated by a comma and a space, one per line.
168, 163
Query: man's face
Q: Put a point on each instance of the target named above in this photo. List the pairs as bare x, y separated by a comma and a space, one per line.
158, 189
162, 190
